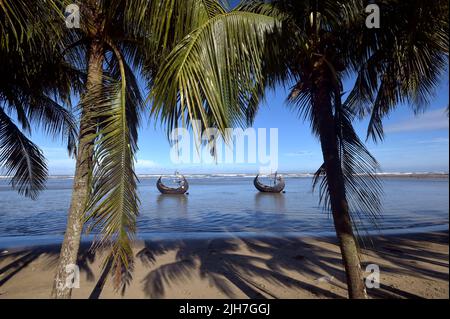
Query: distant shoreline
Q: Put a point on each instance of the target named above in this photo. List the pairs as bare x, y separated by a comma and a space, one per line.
418, 175
415, 175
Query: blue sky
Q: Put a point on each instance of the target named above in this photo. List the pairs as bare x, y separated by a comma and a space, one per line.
412, 143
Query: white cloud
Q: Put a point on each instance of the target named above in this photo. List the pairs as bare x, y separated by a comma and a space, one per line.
429, 121
143, 163
436, 140
299, 153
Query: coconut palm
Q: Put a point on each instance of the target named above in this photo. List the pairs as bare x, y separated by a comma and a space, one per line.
117, 41
104, 188
312, 47
34, 85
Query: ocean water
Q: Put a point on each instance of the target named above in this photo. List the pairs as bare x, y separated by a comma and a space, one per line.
227, 205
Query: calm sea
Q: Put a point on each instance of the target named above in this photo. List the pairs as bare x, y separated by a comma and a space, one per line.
221, 205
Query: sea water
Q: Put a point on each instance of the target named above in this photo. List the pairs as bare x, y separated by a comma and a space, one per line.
227, 206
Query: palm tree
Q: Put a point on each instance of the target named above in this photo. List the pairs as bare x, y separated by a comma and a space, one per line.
104, 181
34, 82
117, 41
313, 46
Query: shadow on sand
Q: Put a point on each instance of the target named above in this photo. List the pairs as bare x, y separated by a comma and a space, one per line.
222, 263
223, 266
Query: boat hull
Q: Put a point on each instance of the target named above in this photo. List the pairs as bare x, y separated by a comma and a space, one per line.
172, 190
278, 188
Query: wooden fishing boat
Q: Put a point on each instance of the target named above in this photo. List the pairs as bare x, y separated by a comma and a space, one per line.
181, 189
278, 186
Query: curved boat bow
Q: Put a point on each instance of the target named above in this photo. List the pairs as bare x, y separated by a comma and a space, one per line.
277, 188
184, 186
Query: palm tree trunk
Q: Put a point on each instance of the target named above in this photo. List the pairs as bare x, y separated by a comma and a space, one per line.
336, 187
80, 191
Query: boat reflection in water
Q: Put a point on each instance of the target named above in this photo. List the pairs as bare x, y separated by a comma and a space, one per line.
172, 203
274, 202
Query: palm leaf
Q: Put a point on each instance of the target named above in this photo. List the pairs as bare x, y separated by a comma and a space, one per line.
34, 83
28, 22
213, 73
21, 159
114, 204
363, 189
401, 62
35, 96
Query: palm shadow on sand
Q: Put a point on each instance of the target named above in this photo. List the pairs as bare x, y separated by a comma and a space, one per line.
221, 263
223, 266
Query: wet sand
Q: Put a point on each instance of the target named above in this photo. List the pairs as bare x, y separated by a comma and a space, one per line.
411, 266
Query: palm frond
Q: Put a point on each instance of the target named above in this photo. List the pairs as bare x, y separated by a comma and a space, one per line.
169, 21
25, 23
213, 73
14, 16
35, 82
157, 26
134, 95
54, 119
363, 189
401, 62
21, 159
114, 203
35, 96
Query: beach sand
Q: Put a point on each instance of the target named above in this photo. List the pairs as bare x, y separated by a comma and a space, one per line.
411, 266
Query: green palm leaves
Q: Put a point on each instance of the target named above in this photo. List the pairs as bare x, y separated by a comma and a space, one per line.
21, 158
401, 62
214, 72
35, 83
114, 205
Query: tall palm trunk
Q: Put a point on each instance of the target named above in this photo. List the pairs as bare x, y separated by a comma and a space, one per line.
336, 186
80, 191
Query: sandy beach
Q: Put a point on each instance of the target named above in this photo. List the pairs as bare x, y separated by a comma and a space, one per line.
411, 266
